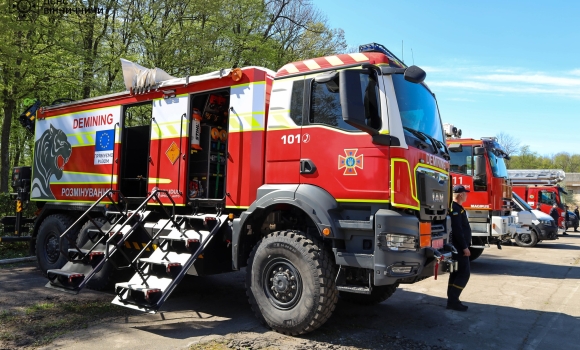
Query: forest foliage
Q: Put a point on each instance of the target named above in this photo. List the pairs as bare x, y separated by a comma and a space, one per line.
72, 49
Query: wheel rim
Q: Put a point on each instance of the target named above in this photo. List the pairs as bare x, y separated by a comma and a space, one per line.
282, 283
526, 238
51, 248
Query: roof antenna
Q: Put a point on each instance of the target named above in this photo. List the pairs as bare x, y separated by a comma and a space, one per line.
412, 56
402, 52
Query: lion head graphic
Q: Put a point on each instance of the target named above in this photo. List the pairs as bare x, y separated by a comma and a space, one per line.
51, 152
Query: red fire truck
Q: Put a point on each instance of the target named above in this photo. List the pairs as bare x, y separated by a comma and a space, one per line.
479, 166
327, 177
540, 189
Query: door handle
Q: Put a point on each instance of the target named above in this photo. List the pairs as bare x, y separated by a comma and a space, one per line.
307, 166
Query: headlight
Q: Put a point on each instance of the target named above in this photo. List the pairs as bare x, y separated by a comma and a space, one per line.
400, 242
547, 222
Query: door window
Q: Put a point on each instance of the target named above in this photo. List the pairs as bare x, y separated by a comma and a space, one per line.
462, 162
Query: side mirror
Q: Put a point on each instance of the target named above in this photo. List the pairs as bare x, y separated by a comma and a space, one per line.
455, 147
415, 74
328, 78
352, 99
479, 165
478, 151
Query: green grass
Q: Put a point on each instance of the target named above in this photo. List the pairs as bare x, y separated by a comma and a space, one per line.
9, 250
40, 323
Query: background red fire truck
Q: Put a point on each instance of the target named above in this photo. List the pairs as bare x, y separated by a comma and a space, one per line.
540, 189
479, 166
329, 176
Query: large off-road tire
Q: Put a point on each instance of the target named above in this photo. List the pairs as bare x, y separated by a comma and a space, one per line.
101, 279
378, 295
290, 282
48, 250
527, 239
475, 252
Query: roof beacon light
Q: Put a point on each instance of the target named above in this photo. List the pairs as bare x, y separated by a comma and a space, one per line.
374, 47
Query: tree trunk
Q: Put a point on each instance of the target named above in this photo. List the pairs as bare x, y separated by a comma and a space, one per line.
9, 106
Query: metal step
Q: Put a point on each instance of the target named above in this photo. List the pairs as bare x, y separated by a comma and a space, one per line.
354, 289
148, 289
171, 267
74, 253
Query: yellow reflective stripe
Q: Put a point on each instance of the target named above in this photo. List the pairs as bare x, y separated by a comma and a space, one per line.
127, 245
136, 245
172, 129
281, 120
236, 207
248, 84
348, 200
248, 122
155, 180
412, 186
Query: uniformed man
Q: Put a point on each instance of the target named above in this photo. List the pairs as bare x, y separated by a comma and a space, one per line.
461, 239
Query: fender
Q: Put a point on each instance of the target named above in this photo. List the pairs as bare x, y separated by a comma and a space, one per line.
317, 203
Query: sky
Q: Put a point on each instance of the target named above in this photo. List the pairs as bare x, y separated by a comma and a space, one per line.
494, 66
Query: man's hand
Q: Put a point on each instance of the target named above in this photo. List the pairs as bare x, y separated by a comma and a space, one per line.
466, 252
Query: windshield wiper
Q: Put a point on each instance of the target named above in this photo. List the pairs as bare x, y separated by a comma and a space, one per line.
438, 146
424, 137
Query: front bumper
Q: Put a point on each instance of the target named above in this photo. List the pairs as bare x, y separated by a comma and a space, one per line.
547, 233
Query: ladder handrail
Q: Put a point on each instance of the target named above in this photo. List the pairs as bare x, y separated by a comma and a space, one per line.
188, 265
87, 212
125, 236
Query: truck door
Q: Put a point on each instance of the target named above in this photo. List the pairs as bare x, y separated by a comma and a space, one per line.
135, 150
167, 152
335, 155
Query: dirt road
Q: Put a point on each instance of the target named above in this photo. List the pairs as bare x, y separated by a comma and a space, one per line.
518, 299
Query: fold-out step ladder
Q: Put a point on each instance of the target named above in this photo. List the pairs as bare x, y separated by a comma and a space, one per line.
157, 275
84, 262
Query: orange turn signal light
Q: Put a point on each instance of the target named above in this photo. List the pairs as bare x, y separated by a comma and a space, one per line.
231, 216
425, 241
236, 74
326, 231
425, 234
424, 228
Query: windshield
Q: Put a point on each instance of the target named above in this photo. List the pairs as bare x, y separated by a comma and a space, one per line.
498, 167
417, 107
520, 201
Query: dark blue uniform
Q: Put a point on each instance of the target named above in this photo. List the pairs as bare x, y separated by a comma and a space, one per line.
461, 239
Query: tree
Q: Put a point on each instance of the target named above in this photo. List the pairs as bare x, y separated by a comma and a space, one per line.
510, 144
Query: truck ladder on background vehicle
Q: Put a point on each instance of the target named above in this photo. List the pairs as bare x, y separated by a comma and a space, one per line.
536, 176
177, 251
103, 242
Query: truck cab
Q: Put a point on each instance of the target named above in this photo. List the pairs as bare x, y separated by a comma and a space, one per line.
479, 166
540, 190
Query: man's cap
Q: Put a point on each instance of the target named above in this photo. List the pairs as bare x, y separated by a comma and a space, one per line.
459, 189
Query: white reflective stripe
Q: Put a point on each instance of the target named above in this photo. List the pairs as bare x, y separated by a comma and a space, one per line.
334, 60
290, 68
247, 103
279, 116
69, 177
359, 57
311, 64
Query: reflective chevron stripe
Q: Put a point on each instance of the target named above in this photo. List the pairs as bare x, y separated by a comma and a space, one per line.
323, 63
